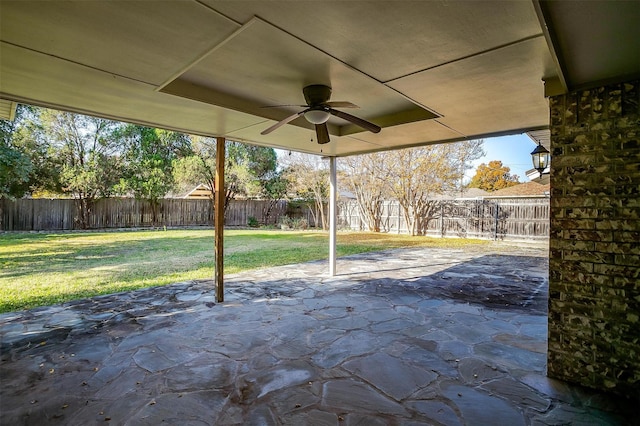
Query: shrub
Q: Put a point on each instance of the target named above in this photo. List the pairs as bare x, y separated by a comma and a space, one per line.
287, 223
252, 222
300, 223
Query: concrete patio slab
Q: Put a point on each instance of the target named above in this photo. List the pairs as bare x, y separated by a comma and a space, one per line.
403, 337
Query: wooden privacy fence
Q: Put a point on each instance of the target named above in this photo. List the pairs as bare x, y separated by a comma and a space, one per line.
59, 214
489, 218
492, 218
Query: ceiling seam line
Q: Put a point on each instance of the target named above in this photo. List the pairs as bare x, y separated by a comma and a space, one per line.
450, 128
349, 66
321, 50
203, 55
217, 12
77, 63
260, 123
473, 55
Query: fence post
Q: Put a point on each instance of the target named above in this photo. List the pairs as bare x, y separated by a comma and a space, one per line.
495, 235
441, 219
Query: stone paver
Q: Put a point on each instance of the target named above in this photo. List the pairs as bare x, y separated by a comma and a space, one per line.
403, 337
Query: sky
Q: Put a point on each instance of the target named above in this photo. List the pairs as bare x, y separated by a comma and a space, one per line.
514, 152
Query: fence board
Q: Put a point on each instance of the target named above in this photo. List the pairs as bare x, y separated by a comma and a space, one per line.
489, 218
60, 214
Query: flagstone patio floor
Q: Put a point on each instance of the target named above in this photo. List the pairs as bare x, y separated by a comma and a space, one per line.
402, 337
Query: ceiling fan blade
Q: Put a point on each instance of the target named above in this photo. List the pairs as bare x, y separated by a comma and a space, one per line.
322, 133
283, 122
355, 120
284, 105
342, 104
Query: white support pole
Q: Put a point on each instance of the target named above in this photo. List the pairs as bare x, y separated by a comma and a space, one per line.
219, 221
333, 219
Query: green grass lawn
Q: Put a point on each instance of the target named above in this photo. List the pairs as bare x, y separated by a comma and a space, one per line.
45, 269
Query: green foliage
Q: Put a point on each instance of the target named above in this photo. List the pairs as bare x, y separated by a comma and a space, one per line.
252, 222
275, 188
26, 164
248, 169
149, 156
15, 166
86, 149
92, 178
15, 169
47, 151
192, 170
493, 176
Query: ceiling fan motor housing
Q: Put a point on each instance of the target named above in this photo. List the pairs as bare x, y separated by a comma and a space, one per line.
316, 94
319, 110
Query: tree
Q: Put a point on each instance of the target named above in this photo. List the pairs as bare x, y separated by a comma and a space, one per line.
366, 178
309, 179
26, 162
148, 156
248, 168
416, 177
15, 166
15, 169
255, 173
86, 149
199, 167
274, 190
493, 176
464, 153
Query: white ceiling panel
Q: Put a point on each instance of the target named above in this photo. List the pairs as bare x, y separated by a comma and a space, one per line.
390, 39
274, 69
142, 40
208, 67
474, 96
88, 91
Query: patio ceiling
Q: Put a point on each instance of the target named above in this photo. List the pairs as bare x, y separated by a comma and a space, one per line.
425, 71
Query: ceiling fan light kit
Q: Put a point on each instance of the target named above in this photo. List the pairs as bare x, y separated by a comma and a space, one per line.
317, 116
319, 110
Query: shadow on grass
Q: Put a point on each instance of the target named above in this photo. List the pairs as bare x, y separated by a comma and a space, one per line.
65, 255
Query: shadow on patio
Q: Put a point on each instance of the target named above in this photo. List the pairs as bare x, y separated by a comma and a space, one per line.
412, 336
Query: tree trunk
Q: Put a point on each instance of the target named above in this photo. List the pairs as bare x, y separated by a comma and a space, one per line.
154, 213
320, 208
83, 206
408, 217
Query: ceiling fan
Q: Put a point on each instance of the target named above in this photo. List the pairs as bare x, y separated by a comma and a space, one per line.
319, 110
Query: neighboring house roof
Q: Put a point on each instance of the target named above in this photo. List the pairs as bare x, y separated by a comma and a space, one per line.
199, 192
346, 195
523, 189
473, 193
465, 193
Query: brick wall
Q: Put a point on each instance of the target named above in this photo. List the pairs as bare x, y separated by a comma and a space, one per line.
594, 278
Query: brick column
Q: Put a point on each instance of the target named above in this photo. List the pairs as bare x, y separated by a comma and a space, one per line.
594, 277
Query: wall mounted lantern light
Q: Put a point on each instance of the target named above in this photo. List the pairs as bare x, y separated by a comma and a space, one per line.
540, 157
